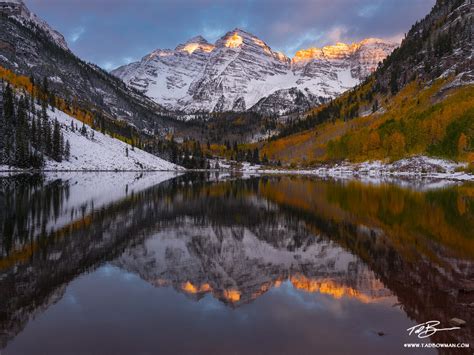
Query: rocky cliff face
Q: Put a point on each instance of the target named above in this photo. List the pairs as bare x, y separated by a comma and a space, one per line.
18, 10
30, 47
439, 46
241, 72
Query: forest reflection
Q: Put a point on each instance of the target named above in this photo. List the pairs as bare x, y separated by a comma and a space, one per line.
339, 238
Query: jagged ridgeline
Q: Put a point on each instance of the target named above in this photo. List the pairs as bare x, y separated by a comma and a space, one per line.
240, 73
419, 101
35, 60
29, 47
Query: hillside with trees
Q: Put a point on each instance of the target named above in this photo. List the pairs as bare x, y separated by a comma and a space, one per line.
27, 134
419, 101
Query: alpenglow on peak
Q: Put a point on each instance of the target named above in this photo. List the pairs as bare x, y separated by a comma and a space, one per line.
241, 72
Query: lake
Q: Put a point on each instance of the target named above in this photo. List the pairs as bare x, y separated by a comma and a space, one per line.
155, 263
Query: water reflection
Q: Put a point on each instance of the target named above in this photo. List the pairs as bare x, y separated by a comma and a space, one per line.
295, 254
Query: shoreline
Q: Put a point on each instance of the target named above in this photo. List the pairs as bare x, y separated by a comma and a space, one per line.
415, 168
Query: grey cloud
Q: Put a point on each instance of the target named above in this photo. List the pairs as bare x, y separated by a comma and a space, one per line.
112, 32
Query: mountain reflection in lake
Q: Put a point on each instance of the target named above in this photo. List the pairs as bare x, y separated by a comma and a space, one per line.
154, 263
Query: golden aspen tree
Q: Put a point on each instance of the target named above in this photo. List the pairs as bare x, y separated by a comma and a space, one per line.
462, 143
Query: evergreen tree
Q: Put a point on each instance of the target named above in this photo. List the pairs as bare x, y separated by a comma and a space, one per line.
84, 130
67, 151
45, 130
22, 136
56, 142
8, 120
256, 158
34, 132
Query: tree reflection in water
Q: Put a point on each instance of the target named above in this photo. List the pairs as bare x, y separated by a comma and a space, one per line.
237, 239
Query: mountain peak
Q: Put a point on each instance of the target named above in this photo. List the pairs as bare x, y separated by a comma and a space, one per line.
373, 40
241, 69
238, 37
197, 39
18, 10
339, 50
195, 43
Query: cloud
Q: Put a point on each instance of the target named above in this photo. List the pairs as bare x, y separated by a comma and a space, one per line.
212, 34
102, 31
336, 34
369, 10
109, 65
76, 34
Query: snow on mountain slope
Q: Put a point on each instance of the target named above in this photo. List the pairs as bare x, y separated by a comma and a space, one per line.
237, 261
18, 10
166, 75
101, 152
240, 70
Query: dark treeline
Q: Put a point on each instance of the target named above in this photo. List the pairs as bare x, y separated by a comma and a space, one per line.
188, 154
27, 204
27, 134
241, 154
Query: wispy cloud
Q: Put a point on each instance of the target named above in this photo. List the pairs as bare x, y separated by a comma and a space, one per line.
108, 31
369, 10
336, 34
76, 34
212, 34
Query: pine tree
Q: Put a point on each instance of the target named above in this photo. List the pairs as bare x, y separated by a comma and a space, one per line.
84, 130
45, 89
21, 136
56, 142
67, 151
34, 131
9, 119
62, 146
256, 158
45, 131
375, 106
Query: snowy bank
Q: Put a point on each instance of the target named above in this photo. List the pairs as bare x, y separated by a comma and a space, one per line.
99, 152
102, 152
410, 168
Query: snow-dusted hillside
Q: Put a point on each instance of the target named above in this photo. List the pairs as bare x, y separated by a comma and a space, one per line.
241, 72
31, 47
18, 10
101, 152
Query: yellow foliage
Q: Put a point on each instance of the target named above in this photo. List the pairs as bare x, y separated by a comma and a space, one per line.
74, 110
462, 143
420, 116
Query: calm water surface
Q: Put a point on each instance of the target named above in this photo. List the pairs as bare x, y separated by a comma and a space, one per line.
161, 264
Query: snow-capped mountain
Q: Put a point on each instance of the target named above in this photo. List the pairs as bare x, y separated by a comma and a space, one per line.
241, 72
237, 265
18, 10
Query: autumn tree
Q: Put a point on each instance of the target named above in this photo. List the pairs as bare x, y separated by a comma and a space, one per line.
463, 143
395, 145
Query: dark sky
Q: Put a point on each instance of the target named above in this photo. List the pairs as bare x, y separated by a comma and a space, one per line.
114, 32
